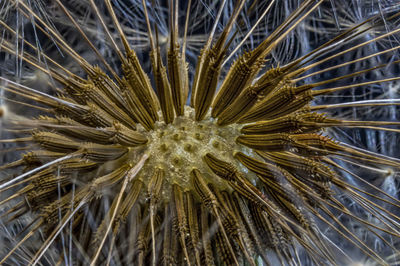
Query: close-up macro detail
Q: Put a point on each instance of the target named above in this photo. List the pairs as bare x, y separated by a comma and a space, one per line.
199, 132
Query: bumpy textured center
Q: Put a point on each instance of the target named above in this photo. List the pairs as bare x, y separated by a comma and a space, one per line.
178, 147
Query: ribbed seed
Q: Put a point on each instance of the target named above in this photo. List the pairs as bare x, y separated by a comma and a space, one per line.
244, 232
301, 180
298, 163
95, 95
207, 83
278, 236
176, 73
220, 168
110, 135
155, 184
193, 221
268, 142
245, 102
288, 204
271, 104
139, 84
51, 211
142, 241
126, 136
181, 219
241, 237
102, 81
223, 246
44, 188
109, 179
55, 142
139, 110
240, 75
163, 88
89, 114
96, 117
102, 153
305, 144
210, 63
207, 197
251, 229
72, 128
229, 220
41, 156
81, 113
220, 212
293, 123
76, 165
130, 199
261, 168
243, 186
281, 103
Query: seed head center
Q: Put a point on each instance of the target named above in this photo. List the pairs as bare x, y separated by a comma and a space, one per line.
179, 147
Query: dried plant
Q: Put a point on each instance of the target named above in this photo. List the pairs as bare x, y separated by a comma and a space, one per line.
114, 171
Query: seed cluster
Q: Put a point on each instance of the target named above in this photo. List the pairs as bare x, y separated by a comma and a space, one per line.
177, 147
141, 178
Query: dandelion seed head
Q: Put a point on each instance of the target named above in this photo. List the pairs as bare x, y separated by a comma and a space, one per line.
147, 147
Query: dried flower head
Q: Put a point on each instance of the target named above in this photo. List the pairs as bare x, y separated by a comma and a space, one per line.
118, 169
